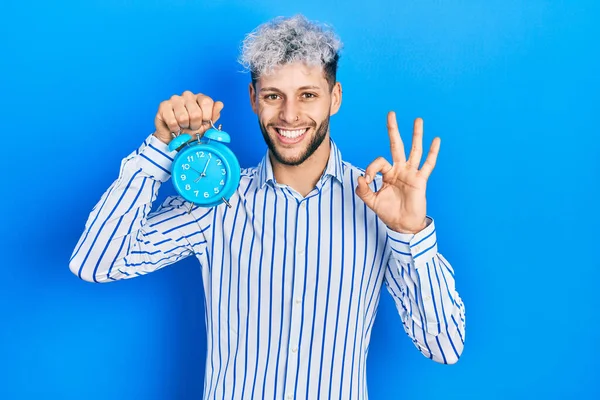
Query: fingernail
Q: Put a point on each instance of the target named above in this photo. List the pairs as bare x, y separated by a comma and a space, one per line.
368, 178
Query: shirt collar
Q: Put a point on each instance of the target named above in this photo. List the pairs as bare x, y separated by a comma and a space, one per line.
334, 168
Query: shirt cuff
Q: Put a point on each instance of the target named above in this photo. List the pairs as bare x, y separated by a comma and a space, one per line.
155, 159
416, 248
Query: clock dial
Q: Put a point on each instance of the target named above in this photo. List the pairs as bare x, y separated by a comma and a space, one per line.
201, 175
206, 173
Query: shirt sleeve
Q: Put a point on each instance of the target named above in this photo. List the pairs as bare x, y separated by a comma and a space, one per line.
421, 281
122, 238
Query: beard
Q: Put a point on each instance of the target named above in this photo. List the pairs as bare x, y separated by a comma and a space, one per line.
313, 145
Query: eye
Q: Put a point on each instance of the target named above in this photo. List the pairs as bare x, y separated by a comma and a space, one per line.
271, 96
308, 95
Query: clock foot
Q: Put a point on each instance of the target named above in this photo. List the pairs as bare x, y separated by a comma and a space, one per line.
226, 202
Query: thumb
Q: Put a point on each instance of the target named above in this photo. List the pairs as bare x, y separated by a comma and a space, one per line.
365, 193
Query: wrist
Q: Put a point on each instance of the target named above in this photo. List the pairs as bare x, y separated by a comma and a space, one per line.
162, 139
411, 230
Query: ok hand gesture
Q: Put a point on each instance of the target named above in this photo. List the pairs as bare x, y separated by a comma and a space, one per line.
400, 202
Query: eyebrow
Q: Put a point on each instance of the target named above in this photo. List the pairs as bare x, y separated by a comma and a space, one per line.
274, 89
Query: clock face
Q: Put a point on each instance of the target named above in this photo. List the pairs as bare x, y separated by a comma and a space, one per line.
200, 175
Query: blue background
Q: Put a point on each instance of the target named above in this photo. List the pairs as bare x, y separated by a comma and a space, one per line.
512, 88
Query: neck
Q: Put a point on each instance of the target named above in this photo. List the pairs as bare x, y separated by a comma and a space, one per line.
304, 177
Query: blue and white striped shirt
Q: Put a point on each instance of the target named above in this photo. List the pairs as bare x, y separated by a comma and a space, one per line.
291, 283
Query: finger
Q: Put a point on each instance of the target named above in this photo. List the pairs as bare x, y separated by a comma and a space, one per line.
429, 164
380, 164
206, 104
181, 113
396, 145
193, 110
216, 113
167, 115
414, 160
365, 193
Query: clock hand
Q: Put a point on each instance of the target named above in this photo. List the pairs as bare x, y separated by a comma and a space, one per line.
206, 166
203, 173
196, 170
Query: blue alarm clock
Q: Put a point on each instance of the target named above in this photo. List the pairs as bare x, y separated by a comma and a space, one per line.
205, 171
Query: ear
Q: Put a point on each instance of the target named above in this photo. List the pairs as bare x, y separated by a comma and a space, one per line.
252, 98
336, 98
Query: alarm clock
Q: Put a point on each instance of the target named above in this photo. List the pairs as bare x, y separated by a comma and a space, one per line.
205, 171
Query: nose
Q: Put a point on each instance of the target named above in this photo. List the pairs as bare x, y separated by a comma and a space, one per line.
289, 111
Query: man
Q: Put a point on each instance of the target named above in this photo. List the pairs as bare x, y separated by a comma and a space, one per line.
293, 271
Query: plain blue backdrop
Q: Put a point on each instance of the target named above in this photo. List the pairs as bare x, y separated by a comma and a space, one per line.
511, 87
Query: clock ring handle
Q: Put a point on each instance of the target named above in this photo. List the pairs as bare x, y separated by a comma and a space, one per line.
212, 124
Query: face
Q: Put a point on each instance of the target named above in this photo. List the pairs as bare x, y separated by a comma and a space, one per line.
293, 105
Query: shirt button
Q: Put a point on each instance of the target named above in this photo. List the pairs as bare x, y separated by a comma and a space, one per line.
417, 248
427, 298
289, 396
294, 350
298, 300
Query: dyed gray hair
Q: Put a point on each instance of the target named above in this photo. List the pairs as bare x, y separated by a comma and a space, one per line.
287, 40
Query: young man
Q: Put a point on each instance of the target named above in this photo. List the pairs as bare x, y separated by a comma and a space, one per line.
293, 271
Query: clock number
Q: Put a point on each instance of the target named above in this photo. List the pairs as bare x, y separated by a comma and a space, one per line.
188, 187
183, 177
185, 166
216, 190
219, 162
223, 172
206, 194
196, 192
200, 154
190, 158
222, 182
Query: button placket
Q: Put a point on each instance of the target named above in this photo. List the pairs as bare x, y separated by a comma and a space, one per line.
301, 227
297, 295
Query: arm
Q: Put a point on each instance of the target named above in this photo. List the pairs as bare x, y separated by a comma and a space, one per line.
421, 282
419, 278
121, 239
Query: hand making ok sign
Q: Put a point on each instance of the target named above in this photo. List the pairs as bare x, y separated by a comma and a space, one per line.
400, 201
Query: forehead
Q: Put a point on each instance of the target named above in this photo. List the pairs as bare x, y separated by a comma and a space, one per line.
290, 77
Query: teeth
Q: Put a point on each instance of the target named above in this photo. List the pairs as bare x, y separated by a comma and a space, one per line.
291, 134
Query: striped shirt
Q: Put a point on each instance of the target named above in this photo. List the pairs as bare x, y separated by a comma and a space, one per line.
291, 283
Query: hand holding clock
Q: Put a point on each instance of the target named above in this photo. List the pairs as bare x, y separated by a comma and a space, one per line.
188, 113
204, 171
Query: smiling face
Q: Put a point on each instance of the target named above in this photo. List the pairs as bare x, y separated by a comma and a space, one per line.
293, 105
